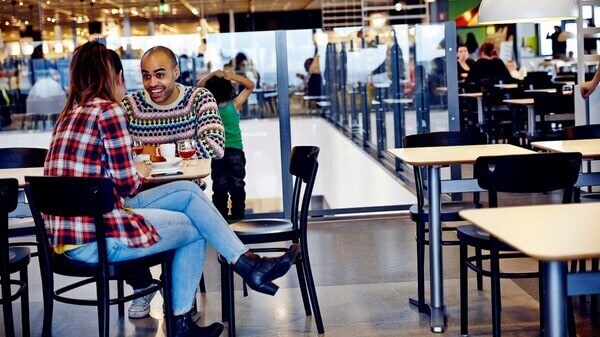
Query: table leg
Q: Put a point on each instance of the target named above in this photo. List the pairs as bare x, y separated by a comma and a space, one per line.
555, 320
531, 120
436, 279
480, 119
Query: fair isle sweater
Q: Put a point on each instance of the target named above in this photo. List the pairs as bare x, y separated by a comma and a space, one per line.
194, 114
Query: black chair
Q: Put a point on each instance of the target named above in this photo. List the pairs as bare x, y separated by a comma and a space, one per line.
591, 131
86, 196
531, 173
303, 167
22, 157
13, 260
419, 213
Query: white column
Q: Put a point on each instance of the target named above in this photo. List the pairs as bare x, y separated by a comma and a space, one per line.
231, 21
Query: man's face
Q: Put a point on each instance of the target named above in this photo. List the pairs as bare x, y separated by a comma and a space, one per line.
159, 75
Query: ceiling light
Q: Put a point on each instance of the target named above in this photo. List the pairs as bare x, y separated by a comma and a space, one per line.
513, 11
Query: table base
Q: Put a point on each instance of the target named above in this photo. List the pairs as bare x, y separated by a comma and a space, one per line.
438, 315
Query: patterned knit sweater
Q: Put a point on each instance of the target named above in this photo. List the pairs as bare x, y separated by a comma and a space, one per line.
194, 114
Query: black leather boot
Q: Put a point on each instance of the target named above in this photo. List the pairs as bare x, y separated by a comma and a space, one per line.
186, 327
258, 272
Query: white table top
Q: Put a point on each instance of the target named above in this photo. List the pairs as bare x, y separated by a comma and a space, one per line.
520, 101
547, 90
199, 168
446, 155
546, 232
507, 86
589, 148
471, 94
20, 173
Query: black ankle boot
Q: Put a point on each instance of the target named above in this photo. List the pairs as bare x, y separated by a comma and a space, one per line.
185, 327
258, 272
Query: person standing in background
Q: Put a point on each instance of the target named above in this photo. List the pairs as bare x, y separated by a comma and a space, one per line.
559, 43
229, 172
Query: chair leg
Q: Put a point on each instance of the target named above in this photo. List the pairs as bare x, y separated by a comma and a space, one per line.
224, 291
121, 294
420, 265
571, 318
9, 324
495, 284
25, 304
47, 289
464, 291
542, 296
167, 295
103, 307
479, 264
231, 302
303, 288
312, 290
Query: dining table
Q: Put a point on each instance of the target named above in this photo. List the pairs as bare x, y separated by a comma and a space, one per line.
589, 149
197, 169
552, 234
433, 158
529, 104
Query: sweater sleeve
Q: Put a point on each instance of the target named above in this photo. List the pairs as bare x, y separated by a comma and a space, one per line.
210, 133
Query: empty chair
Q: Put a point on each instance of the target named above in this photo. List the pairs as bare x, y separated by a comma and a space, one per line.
303, 167
530, 173
12, 260
86, 196
22, 157
419, 213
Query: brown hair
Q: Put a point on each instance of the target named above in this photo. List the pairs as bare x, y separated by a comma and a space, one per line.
92, 75
487, 49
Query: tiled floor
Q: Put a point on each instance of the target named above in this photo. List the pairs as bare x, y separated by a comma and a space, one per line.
365, 272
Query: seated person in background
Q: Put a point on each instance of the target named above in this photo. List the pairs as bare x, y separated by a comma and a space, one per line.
489, 67
519, 74
228, 173
464, 62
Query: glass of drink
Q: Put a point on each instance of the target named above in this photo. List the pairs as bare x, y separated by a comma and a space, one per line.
137, 146
186, 148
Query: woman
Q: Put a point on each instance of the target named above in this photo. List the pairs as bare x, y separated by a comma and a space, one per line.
464, 62
488, 68
90, 138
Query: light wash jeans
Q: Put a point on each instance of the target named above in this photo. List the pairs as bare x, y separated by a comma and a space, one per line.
186, 220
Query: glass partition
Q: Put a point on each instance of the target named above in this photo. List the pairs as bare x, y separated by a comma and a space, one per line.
353, 92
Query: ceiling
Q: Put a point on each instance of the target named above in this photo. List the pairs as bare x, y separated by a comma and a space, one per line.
16, 14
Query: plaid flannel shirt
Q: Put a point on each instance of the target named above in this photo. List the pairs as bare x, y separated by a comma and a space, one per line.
93, 141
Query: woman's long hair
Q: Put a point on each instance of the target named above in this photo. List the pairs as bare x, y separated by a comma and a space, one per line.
92, 75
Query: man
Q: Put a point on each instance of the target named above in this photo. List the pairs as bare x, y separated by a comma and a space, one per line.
166, 111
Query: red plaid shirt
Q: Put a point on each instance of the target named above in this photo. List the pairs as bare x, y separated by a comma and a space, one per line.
93, 141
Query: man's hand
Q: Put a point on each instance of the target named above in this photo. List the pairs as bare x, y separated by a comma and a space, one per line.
587, 88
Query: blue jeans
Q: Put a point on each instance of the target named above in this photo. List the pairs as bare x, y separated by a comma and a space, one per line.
186, 220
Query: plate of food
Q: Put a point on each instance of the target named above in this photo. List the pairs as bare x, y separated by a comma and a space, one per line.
160, 162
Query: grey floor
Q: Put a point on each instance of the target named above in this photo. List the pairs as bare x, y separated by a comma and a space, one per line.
365, 272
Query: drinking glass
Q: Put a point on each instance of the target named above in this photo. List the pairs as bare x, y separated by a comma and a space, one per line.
137, 146
186, 148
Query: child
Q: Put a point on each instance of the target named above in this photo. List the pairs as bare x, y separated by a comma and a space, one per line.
229, 172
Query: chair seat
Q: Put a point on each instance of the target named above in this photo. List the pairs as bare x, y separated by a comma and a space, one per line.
19, 257
261, 226
475, 236
124, 269
449, 211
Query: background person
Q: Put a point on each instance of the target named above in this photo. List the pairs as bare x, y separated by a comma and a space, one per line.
587, 88
488, 67
559, 43
229, 172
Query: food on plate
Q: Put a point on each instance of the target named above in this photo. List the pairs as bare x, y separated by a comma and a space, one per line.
157, 158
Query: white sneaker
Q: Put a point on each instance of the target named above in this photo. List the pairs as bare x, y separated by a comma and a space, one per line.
140, 307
